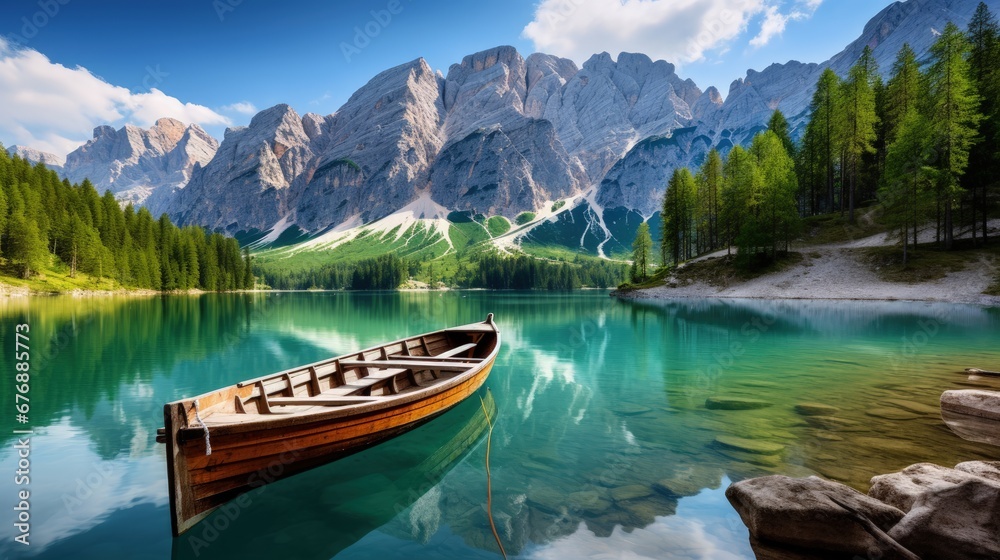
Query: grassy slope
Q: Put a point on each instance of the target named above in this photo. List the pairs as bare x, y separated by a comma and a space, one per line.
417, 243
55, 278
469, 235
929, 262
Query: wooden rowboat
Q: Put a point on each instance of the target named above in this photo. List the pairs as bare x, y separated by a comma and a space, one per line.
224, 443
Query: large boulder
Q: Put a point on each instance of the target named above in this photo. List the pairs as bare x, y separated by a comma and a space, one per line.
811, 513
901, 489
973, 402
960, 522
986, 469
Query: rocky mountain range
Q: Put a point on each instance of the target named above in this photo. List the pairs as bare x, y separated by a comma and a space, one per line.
499, 134
51, 161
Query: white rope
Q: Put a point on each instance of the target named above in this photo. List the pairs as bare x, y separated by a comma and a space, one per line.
208, 443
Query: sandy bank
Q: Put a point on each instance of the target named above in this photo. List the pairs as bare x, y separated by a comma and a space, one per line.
837, 272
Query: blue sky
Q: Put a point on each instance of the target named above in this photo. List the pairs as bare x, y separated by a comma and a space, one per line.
216, 61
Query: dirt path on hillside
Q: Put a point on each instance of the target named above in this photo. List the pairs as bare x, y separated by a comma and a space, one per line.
837, 271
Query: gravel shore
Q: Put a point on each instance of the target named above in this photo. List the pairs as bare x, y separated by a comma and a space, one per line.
836, 272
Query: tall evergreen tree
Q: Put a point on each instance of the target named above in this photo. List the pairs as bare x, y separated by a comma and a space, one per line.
641, 252
955, 117
4, 209
740, 180
25, 247
983, 176
778, 124
678, 215
860, 120
709, 183
904, 90
773, 210
824, 118
904, 192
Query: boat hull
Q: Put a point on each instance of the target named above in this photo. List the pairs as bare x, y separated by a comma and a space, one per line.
246, 456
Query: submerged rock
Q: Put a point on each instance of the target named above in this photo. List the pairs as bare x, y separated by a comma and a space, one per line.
888, 413
903, 488
815, 409
629, 409
972, 402
832, 423
810, 513
735, 403
962, 521
914, 407
630, 492
749, 445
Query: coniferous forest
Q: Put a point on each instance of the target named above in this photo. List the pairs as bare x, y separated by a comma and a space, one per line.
49, 224
490, 271
924, 146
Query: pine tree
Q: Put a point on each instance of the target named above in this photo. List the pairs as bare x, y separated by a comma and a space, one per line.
4, 209
984, 159
774, 212
824, 111
25, 247
740, 180
641, 252
778, 124
903, 92
678, 214
709, 183
954, 116
904, 192
859, 120
248, 280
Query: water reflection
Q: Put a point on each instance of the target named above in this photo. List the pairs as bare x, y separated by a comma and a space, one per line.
603, 440
327, 509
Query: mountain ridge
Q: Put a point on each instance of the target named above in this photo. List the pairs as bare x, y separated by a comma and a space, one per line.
499, 134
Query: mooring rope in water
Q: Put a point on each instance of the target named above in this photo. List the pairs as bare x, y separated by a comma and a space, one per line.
489, 484
208, 442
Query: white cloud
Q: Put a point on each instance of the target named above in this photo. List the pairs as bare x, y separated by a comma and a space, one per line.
774, 21
679, 31
53, 108
773, 25
241, 107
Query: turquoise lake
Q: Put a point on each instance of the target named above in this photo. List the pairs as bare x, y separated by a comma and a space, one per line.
602, 447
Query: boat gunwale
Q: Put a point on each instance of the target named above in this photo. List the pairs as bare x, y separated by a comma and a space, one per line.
257, 421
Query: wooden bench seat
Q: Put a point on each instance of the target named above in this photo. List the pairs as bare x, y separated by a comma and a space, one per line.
379, 370
404, 365
321, 400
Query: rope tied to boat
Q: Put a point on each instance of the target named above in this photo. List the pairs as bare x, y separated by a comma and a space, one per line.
204, 427
489, 485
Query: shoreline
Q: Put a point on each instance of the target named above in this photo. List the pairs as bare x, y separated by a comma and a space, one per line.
656, 294
835, 272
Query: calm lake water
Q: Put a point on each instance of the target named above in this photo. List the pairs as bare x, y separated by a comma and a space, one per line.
603, 445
